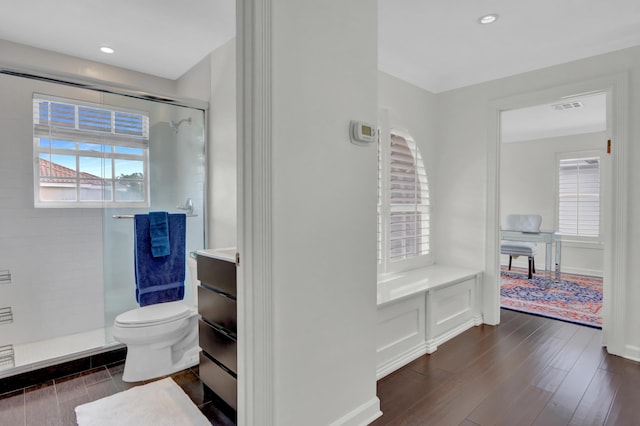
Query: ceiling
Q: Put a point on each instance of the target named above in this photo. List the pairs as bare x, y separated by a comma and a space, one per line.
434, 44
164, 38
438, 44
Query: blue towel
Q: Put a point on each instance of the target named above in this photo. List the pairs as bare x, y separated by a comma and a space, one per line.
159, 279
159, 233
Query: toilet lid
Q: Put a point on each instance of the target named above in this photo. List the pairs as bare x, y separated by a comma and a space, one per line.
153, 314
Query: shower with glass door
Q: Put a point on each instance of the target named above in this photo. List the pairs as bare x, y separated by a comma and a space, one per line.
78, 164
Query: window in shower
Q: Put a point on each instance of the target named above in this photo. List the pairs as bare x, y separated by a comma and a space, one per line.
89, 155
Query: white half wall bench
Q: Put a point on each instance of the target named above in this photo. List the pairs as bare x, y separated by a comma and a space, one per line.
421, 309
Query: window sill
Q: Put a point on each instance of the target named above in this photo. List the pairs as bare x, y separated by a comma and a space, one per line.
402, 285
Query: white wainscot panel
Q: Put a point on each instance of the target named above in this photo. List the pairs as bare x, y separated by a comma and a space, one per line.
421, 309
401, 334
451, 310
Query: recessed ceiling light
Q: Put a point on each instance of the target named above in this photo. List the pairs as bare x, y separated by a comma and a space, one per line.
488, 19
106, 49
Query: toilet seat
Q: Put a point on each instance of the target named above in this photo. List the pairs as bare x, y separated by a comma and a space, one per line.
152, 315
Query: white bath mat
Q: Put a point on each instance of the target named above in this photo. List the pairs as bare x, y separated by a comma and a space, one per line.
162, 402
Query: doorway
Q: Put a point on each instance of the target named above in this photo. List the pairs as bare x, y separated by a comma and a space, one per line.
554, 164
615, 231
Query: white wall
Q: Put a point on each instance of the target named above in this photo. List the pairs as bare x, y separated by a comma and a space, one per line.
528, 179
222, 201
462, 161
324, 74
214, 80
413, 109
196, 82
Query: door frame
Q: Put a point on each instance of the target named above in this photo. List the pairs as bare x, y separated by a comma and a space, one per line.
256, 322
615, 230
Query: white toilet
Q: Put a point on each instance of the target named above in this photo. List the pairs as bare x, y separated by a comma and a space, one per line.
161, 339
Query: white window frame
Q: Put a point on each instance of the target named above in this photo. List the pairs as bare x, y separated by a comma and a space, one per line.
386, 265
78, 134
601, 167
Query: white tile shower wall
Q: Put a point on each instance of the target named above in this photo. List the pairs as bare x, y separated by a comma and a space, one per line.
55, 255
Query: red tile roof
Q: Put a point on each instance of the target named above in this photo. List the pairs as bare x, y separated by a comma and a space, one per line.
54, 172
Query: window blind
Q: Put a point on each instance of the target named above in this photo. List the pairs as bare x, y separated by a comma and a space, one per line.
61, 119
408, 201
579, 197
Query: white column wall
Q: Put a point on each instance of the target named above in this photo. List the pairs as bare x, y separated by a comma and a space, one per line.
324, 74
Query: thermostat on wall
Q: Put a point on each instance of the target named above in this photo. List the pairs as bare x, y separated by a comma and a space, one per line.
362, 133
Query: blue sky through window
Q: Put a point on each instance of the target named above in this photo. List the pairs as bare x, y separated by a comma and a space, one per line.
96, 166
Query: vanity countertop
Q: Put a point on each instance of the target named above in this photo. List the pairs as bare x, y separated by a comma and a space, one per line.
227, 253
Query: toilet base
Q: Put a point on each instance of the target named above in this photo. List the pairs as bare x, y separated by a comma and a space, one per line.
147, 363
171, 354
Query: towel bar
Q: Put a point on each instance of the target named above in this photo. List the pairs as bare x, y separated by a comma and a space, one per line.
130, 216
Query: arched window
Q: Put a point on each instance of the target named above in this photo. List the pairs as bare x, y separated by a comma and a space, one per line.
403, 208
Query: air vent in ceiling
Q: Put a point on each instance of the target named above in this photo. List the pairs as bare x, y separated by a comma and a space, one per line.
567, 105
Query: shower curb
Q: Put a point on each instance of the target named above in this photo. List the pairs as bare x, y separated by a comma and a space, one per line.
67, 368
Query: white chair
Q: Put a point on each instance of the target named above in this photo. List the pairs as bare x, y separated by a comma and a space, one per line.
524, 223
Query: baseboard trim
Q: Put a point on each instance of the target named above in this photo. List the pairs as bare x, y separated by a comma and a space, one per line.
583, 271
432, 344
362, 415
565, 270
401, 360
632, 352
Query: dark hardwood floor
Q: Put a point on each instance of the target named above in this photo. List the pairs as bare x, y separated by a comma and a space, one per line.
526, 371
53, 402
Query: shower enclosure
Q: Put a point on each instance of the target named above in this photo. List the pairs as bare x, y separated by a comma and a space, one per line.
76, 165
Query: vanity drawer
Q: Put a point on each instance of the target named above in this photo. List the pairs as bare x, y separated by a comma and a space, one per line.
218, 274
217, 308
219, 381
220, 346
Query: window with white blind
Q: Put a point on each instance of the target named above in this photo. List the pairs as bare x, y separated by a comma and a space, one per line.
89, 155
579, 196
403, 208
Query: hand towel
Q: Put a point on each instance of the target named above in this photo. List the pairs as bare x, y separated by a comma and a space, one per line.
159, 233
159, 279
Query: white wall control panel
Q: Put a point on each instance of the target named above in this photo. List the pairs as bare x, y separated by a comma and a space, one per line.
362, 133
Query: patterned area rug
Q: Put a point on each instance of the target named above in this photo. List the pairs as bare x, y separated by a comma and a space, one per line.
577, 298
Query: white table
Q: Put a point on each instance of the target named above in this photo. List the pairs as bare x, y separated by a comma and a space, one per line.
550, 238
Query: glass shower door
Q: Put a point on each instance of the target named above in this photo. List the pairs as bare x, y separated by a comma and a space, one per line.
174, 179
